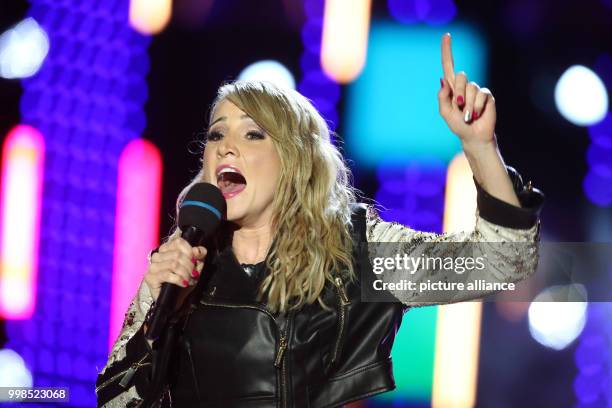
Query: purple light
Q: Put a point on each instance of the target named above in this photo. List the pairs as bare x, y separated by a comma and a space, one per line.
413, 194
88, 102
433, 12
315, 85
597, 183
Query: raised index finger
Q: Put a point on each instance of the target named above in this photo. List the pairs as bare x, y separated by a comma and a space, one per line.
448, 65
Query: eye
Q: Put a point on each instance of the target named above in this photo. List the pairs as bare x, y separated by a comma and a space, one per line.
213, 136
255, 135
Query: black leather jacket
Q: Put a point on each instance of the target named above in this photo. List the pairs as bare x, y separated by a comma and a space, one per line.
234, 353
229, 351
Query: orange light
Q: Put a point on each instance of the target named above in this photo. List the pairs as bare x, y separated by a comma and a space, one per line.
150, 16
345, 38
458, 325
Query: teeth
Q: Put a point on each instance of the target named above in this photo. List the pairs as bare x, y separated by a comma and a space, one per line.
227, 170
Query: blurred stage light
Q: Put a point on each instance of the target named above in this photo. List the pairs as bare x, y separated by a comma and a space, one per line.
434, 12
271, 71
345, 38
413, 193
23, 157
458, 325
597, 183
136, 224
23, 49
315, 84
557, 316
13, 371
393, 108
150, 16
581, 96
88, 102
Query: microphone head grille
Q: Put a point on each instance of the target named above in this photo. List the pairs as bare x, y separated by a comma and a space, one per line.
203, 207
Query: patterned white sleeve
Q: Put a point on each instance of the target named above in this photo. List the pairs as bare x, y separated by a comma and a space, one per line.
134, 318
512, 254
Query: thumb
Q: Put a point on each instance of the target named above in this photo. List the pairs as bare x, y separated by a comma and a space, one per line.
199, 252
445, 100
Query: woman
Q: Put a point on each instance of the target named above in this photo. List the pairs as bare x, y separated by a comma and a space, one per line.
277, 318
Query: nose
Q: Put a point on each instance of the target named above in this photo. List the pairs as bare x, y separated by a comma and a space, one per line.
227, 147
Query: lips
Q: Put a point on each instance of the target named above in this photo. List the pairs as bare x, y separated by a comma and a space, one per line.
230, 180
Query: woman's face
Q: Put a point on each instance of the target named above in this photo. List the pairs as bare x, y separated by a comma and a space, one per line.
240, 158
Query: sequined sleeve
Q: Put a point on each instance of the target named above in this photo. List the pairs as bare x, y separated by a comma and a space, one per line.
129, 350
508, 235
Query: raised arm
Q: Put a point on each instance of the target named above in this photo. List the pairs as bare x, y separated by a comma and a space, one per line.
469, 111
496, 222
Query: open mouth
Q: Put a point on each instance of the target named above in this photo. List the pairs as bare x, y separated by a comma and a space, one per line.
230, 181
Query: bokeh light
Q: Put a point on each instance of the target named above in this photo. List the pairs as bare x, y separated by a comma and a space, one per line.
556, 319
23, 49
13, 371
23, 155
581, 96
597, 183
271, 71
345, 38
88, 102
150, 16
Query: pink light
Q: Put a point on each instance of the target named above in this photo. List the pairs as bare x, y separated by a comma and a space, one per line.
136, 224
23, 156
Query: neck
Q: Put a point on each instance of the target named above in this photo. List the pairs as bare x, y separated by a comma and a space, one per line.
251, 244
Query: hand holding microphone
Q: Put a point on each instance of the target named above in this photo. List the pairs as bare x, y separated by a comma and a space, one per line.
177, 265
176, 262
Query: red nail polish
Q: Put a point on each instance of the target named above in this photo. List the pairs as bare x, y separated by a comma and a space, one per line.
193, 260
185, 283
195, 273
460, 100
441, 83
474, 115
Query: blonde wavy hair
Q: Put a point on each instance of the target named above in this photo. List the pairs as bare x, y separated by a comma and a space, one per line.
312, 214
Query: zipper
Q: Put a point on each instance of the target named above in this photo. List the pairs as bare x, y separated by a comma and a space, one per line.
127, 374
343, 301
279, 360
281, 351
282, 362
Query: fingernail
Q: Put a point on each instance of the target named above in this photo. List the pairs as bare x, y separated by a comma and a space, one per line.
193, 260
441, 83
185, 283
467, 116
460, 100
195, 273
475, 115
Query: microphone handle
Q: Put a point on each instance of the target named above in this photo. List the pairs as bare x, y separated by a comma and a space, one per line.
166, 301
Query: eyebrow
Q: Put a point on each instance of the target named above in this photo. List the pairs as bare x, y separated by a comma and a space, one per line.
224, 118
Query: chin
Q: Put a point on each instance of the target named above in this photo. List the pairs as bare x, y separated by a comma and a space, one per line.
234, 211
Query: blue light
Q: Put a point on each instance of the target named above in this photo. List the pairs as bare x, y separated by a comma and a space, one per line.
434, 12
392, 108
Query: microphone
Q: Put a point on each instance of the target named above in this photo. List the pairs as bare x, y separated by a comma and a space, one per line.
199, 216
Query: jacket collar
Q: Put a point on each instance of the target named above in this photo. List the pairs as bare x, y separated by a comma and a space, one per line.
229, 281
